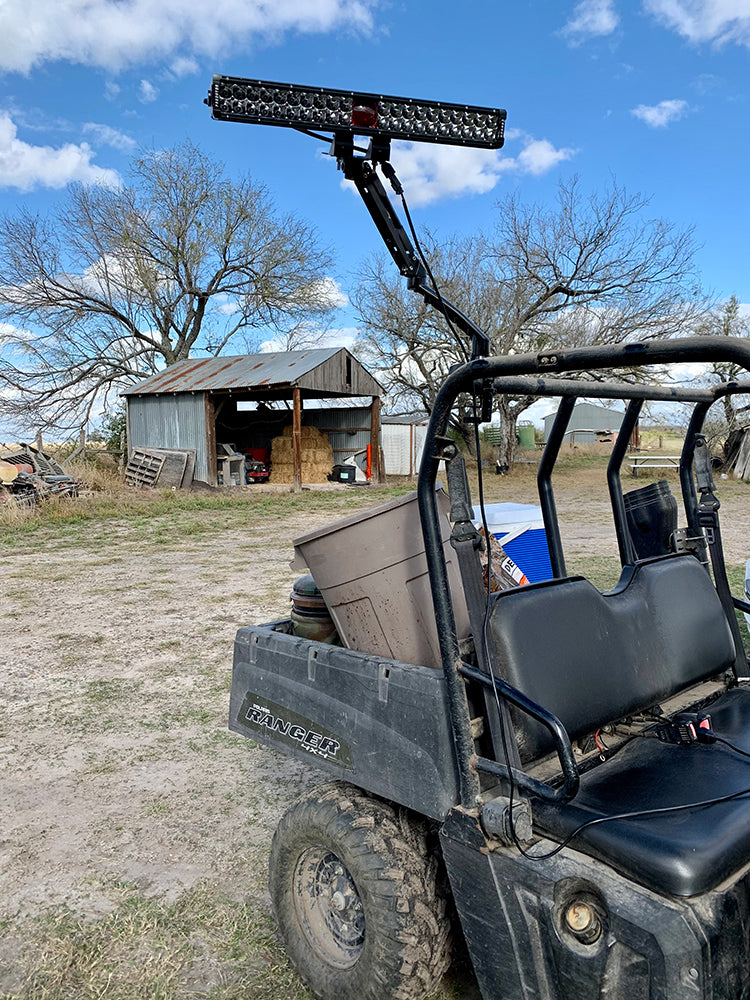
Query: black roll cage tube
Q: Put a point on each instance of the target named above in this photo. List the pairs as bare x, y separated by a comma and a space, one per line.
510, 374
528, 373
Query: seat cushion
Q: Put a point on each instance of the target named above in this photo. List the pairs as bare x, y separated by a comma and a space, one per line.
679, 853
591, 658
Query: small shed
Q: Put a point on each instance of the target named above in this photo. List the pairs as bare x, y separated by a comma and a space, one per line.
588, 423
246, 401
403, 441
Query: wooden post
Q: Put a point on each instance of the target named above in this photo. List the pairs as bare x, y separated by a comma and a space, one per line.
297, 440
377, 472
209, 419
39, 441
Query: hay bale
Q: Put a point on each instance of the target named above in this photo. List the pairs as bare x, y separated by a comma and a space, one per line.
306, 432
316, 456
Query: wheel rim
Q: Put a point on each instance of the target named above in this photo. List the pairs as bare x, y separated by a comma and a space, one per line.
329, 907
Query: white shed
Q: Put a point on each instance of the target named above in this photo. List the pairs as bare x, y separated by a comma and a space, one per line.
403, 437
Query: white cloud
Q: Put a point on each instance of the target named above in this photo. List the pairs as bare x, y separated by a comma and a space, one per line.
539, 156
718, 21
432, 172
661, 114
429, 173
331, 293
590, 18
147, 92
116, 33
184, 66
110, 136
25, 167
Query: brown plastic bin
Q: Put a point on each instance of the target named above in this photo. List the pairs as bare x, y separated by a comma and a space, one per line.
372, 571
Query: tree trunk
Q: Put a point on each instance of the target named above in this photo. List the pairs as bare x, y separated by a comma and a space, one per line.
506, 448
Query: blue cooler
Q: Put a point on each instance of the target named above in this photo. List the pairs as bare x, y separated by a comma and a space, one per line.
520, 530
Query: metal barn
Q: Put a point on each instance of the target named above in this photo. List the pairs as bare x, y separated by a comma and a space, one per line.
587, 423
199, 404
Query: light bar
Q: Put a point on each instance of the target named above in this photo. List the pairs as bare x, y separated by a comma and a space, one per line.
261, 102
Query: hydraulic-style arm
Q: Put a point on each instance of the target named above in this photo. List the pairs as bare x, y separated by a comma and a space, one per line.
361, 170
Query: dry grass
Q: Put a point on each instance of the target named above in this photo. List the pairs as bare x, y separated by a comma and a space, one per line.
121, 608
203, 944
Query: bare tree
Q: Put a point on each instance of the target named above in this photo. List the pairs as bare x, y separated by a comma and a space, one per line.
728, 321
733, 412
121, 282
592, 269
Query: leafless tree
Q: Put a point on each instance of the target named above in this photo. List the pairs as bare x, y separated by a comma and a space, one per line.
724, 421
120, 282
591, 269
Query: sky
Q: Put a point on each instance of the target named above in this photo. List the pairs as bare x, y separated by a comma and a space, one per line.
654, 94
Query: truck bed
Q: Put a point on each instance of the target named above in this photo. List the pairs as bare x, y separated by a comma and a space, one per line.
379, 723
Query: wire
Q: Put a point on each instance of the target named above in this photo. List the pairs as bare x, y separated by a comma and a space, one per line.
325, 138
719, 739
426, 263
638, 814
485, 625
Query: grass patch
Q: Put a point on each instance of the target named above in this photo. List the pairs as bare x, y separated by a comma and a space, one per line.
171, 518
203, 944
603, 571
736, 577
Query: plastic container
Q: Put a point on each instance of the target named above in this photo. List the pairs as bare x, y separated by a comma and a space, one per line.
652, 517
309, 615
520, 530
526, 436
372, 571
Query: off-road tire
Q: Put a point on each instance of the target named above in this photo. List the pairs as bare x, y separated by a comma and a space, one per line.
388, 936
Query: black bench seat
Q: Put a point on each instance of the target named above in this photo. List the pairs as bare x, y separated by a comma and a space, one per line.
592, 659
680, 853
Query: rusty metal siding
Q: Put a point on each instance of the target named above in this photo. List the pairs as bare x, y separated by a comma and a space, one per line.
173, 421
319, 370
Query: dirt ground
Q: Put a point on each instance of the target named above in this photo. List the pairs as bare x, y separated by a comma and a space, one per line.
117, 772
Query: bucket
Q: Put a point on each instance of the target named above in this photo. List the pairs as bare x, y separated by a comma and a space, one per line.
652, 518
310, 616
371, 569
526, 436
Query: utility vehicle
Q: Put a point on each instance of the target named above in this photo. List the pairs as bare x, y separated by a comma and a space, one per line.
574, 782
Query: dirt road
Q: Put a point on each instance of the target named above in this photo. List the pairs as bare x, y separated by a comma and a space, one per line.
116, 767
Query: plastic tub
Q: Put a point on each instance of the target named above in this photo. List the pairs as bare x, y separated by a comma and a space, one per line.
520, 530
372, 571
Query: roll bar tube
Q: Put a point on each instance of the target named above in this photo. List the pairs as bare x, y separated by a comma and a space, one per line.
462, 379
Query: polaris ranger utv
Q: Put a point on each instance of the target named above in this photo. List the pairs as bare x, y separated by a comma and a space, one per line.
574, 781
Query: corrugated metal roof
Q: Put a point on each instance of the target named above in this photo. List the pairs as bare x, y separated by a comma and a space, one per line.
248, 371
417, 417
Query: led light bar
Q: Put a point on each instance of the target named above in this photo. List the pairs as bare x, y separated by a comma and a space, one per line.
261, 102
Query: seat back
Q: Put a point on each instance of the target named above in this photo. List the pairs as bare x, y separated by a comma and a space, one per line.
591, 658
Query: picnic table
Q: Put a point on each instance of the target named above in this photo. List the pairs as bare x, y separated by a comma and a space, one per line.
653, 462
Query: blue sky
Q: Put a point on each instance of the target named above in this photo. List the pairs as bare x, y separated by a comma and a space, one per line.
653, 93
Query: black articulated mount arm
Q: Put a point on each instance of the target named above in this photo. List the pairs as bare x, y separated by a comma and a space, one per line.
380, 117
362, 172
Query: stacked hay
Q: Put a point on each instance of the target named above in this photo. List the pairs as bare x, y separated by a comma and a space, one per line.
316, 453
